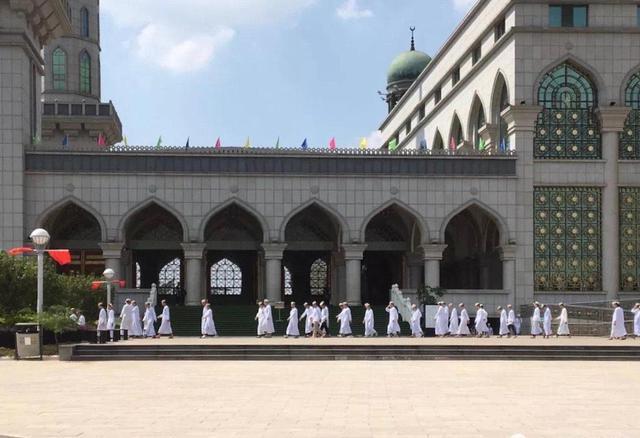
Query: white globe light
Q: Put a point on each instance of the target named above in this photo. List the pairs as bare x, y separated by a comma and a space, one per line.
40, 237
109, 273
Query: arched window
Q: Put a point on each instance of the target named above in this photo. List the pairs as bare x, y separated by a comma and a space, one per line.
567, 126
84, 22
318, 277
226, 278
85, 73
503, 137
59, 69
170, 274
630, 137
438, 144
138, 276
287, 281
456, 131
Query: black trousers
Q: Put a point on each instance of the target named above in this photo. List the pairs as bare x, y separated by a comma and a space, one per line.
512, 329
324, 327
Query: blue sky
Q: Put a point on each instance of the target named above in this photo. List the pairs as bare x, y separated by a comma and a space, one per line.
259, 68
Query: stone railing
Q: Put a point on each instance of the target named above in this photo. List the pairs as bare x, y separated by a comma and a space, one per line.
403, 304
67, 109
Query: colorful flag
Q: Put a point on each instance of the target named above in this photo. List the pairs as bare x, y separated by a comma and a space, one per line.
186, 146
393, 145
159, 142
20, 250
482, 145
423, 144
304, 144
452, 145
65, 140
61, 256
218, 143
332, 144
503, 145
101, 140
126, 143
363, 143
247, 144
278, 143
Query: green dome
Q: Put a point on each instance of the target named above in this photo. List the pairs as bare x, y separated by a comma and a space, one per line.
407, 66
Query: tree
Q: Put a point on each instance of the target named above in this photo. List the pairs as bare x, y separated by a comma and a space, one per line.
428, 295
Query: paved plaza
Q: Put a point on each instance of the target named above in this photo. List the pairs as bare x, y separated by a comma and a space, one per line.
320, 399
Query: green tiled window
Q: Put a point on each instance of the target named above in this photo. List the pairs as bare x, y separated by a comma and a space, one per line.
85, 73
567, 239
630, 137
629, 206
59, 67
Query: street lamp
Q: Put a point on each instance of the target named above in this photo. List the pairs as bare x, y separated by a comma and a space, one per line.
40, 239
109, 274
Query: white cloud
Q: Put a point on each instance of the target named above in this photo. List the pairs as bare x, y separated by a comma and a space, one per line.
350, 10
185, 35
462, 5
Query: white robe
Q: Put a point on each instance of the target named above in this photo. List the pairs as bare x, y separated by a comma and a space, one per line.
535, 322
453, 321
617, 324
504, 330
268, 320
517, 324
481, 322
307, 320
441, 321
463, 327
344, 317
136, 326
111, 319
148, 321
369, 323
393, 327
324, 316
208, 327
636, 321
563, 328
262, 321
416, 330
125, 317
165, 326
547, 322
292, 327
511, 318
102, 320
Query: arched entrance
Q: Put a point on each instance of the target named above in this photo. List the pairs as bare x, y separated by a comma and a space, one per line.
312, 237
152, 237
74, 228
232, 237
391, 236
471, 259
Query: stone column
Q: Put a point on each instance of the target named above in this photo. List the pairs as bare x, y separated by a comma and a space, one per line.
273, 260
489, 133
432, 254
612, 122
413, 277
508, 257
193, 256
353, 255
521, 123
112, 253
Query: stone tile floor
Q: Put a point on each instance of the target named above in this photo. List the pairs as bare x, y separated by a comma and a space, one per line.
319, 399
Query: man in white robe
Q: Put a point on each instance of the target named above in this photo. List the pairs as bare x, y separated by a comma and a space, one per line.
481, 321
165, 325
518, 323
441, 320
536, 330
306, 315
208, 327
324, 319
416, 317
563, 327
393, 327
101, 328
636, 320
618, 330
261, 318
148, 321
368, 321
453, 320
348, 309
504, 329
111, 320
292, 326
546, 321
125, 319
268, 314
203, 303
344, 319
511, 321
463, 327
136, 326
315, 316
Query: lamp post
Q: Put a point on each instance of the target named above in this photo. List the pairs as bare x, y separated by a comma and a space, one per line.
40, 239
109, 274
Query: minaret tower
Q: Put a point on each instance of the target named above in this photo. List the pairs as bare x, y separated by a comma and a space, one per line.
73, 112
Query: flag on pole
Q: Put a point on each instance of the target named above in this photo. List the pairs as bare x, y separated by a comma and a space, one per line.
304, 144
186, 146
363, 143
423, 144
393, 145
61, 256
218, 143
159, 142
503, 146
482, 145
126, 143
332, 144
102, 142
18, 251
65, 140
278, 143
452, 145
247, 144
